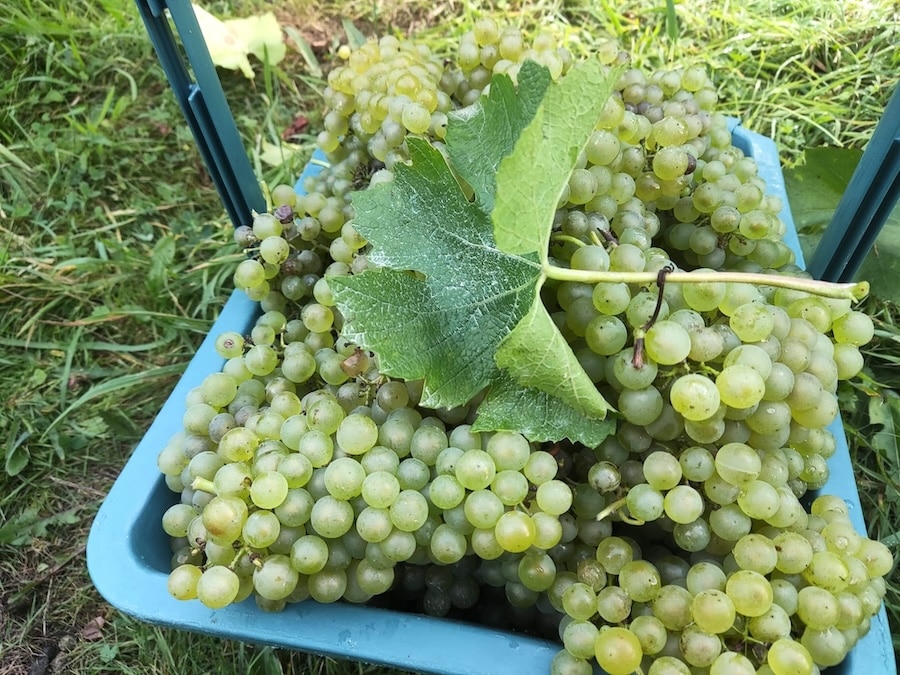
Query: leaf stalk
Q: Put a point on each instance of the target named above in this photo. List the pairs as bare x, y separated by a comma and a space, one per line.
855, 291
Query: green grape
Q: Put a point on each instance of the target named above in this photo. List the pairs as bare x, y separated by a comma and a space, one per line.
356, 434
697, 463
540, 467
645, 502
483, 508
554, 497
276, 579
695, 397
613, 553
854, 328
579, 638
774, 625
787, 657
261, 529
628, 374
274, 250
828, 571
268, 490
379, 489
217, 587
729, 522
713, 611
640, 406
536, 571
827, 647
650, 632
296, 508
331, 518
328, 584
249, 274
427, 443
756, 552
447, 545
344, 478
750, 592
515, 531
548, 530
183, 581
475, 469
732, 663
698, 647
667, 343
876, 557
668, 665
759, 500
445, 492
606, 335
672, 606
224, 518
230, 344
613, 604
817, 608
611, 298
617, 650
662, 470
705, 575
409, 511
640, 579
670, 163
325, 415
565, 663
740, 386
683, 504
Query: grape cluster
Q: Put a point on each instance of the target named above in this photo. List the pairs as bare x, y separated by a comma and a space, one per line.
685, 542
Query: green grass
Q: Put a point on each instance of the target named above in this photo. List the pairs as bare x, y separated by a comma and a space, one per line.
115, 257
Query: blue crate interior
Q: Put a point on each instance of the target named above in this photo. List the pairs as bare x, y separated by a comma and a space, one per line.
128, 553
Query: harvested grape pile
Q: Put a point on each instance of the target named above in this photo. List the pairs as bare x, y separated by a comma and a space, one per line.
532, 351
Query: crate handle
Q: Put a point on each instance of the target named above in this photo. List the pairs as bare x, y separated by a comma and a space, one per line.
866, 203
204, 105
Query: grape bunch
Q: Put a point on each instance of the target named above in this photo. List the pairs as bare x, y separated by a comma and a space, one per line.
690, 540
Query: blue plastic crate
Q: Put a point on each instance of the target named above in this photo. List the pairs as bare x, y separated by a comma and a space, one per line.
128, 553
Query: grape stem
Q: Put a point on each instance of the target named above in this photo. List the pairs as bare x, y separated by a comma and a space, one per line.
567, 238
849, 291
613, 508
204, 485
638, 358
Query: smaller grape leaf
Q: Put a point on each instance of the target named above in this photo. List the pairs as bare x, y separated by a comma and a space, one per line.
814, 190
537, 356
494, 126
881, 268
531, 180
548, 418
815, 187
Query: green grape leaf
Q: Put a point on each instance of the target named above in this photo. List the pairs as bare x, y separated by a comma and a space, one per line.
882, 263
444, 327
536, 355
815, 187
493, 125
456, 301
535, 352
531, 180
537, 415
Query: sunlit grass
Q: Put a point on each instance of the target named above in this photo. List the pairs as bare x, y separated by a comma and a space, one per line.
115, 253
